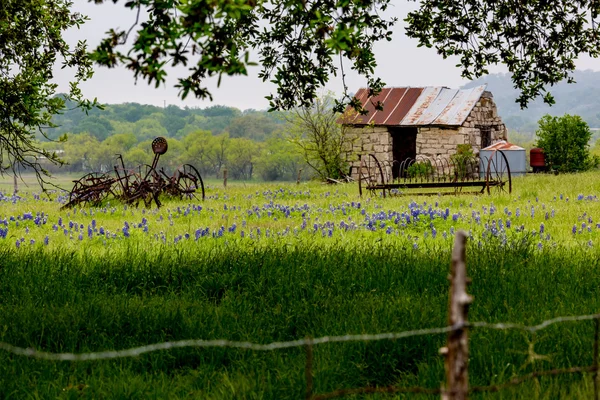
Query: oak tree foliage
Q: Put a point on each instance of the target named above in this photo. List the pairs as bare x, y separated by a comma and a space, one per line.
301, 43
537, 40
31, 43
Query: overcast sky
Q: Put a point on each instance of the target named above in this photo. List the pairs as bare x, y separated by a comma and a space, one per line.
400, 63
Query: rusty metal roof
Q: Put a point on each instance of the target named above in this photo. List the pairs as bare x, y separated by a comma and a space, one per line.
433, 105
503, 145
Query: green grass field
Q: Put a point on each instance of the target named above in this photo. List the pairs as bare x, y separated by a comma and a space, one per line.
278, 262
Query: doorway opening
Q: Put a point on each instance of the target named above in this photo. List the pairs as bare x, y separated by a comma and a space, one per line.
404, 145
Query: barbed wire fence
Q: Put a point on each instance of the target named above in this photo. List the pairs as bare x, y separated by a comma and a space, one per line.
455, 352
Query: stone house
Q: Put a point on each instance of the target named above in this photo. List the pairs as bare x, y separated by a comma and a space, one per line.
422, 122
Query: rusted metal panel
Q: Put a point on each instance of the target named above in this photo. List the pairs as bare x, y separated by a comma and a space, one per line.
372, 103
389, 105
368, 104
358, 119
459, 108
419, 106
437, 106
405, 104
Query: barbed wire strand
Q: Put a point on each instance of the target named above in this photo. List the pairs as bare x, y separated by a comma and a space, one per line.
136, 351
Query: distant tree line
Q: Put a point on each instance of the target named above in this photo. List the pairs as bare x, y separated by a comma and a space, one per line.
250, 144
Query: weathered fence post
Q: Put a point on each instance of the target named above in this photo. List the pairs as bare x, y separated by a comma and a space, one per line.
225, 177
15, 183
298, 178
456, 351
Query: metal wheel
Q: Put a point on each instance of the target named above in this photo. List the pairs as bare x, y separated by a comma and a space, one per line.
91, 188
498, 176
189, 182
370, 174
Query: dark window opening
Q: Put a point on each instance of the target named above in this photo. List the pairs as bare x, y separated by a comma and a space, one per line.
486, 136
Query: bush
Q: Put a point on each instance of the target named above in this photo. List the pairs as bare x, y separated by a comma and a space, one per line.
565, 143
463, 160
421, 169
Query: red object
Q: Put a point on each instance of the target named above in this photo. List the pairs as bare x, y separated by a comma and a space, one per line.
537, 157
537, 160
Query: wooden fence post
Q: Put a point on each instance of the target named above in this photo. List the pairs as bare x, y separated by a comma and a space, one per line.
299, 174
15, 184
225, 177
456, 351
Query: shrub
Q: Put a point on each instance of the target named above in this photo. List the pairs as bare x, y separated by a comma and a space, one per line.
421, 169
463, 160
565, 143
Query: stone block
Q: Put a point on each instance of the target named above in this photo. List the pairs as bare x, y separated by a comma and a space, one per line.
457, 139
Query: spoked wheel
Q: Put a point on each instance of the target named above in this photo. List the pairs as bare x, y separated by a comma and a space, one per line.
91, 188
189, 182
370, 174
498, 178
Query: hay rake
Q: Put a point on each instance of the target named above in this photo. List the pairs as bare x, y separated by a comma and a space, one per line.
435, 176
142, 184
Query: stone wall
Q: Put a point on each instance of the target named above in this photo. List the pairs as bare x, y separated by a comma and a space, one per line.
433, 142
366, 140
483, 115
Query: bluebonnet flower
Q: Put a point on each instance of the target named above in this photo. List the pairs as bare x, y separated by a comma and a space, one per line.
46, 240
542, 228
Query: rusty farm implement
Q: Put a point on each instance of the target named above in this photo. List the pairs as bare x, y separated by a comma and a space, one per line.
143, 184
425, 176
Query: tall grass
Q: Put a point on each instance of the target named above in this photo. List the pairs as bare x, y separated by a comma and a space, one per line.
106, 293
